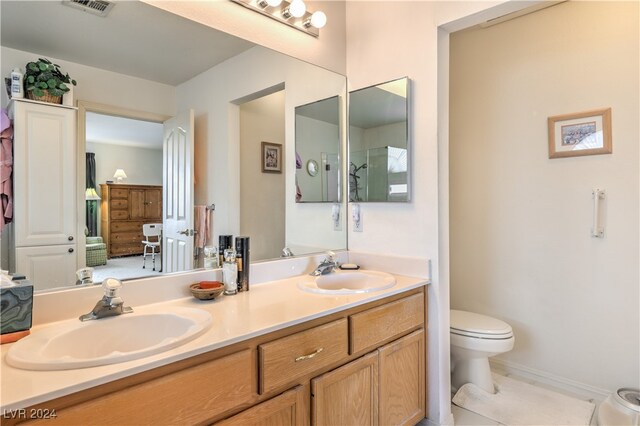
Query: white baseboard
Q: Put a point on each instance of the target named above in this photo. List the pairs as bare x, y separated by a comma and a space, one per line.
583, 390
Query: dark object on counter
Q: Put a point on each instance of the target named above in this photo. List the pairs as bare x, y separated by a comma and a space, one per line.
243, 258
16, 304
224, 242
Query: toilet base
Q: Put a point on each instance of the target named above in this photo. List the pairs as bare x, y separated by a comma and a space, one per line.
473, 370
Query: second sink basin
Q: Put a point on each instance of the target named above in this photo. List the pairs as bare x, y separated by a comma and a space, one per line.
74, 344
348, 282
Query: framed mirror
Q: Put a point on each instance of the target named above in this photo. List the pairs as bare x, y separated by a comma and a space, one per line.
318, 151
216, 75
379, 143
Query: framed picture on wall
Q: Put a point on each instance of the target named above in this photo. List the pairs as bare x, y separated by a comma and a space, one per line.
271, 157
583, 133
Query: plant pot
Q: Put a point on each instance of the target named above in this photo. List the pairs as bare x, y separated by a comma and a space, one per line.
46, 98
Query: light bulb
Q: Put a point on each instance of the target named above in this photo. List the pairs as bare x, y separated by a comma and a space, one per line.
297, 8
274, 3
318, 19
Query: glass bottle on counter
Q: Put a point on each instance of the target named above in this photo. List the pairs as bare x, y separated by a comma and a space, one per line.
211, 257
230, 272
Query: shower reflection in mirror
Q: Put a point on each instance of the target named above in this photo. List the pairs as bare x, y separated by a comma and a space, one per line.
317, 151
379, 142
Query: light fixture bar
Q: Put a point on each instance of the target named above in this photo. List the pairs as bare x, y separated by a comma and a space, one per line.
278, 13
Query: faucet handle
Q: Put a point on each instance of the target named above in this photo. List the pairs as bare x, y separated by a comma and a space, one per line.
331, 256
111, 287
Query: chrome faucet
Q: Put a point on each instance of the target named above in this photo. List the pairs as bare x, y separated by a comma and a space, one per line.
328, 265
111, 303
286, 252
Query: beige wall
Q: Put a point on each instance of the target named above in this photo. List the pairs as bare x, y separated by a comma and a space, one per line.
387, 40
143, 166
101, 86
262, 197
521, 248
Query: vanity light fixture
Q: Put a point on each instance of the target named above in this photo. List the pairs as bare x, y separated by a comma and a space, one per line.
290, 12
119, 175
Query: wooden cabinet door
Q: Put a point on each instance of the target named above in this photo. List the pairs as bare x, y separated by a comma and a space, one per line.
153, 204
136, 203
347, 395
402, 380
287, 409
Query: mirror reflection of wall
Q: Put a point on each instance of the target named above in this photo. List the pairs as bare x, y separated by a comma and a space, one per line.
262, 195
211, 72
317, 151
379, 143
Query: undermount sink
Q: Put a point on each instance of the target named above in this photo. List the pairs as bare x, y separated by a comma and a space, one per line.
75, 344
347, 282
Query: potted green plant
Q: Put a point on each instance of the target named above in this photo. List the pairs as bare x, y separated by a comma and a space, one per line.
45, 82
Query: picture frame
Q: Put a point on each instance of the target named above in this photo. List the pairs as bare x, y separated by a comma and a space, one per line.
578, 134
271, 157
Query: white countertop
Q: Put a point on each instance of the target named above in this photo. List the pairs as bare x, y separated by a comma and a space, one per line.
267, 307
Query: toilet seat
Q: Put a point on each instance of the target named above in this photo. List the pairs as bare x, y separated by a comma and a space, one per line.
478, 326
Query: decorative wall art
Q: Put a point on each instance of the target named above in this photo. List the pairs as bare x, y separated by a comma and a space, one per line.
271, 157
584, 133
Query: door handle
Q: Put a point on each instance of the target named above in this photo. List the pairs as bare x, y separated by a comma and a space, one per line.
188, 232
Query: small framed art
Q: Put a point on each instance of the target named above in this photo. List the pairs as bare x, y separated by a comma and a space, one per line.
583, 133
271, 157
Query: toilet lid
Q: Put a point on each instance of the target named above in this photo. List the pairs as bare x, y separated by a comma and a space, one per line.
476, 325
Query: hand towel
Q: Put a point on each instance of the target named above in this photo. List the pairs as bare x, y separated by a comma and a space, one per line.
201, 224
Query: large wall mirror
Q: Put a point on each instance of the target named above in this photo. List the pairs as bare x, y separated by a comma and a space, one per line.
148, 65
318, 151
379, 148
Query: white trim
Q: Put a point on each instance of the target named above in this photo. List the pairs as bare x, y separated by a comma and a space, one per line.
504, 367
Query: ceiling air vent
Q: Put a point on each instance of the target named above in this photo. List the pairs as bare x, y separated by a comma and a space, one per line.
95, 7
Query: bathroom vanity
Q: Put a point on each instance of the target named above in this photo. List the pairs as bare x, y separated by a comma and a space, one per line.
294, 358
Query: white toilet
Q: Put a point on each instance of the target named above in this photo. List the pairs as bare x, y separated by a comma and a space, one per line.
475, 338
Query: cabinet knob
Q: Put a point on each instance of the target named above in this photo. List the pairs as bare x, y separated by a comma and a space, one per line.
70, 250
70, 238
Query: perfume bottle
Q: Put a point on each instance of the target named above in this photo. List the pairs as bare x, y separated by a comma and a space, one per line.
242, 254
230, 272
224, 242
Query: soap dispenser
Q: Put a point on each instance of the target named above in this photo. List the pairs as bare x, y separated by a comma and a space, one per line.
230, 272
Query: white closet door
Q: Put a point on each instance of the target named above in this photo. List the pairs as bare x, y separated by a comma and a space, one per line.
49, 266
177, 198
45, 181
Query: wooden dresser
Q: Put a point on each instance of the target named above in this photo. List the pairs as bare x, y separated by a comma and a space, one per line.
125, 208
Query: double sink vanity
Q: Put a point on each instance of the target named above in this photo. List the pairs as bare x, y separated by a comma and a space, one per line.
341, 348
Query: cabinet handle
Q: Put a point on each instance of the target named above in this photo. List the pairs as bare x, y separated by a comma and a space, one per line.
311, 355
70, 238
70, 250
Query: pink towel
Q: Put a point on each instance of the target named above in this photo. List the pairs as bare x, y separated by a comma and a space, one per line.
201, 224
6, 169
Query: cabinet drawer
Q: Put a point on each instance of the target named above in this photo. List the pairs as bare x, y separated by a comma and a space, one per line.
370, 328
190, 396
126, 237
124, 249
119, 193
284, 360
119, 204
119, 214
126, 226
